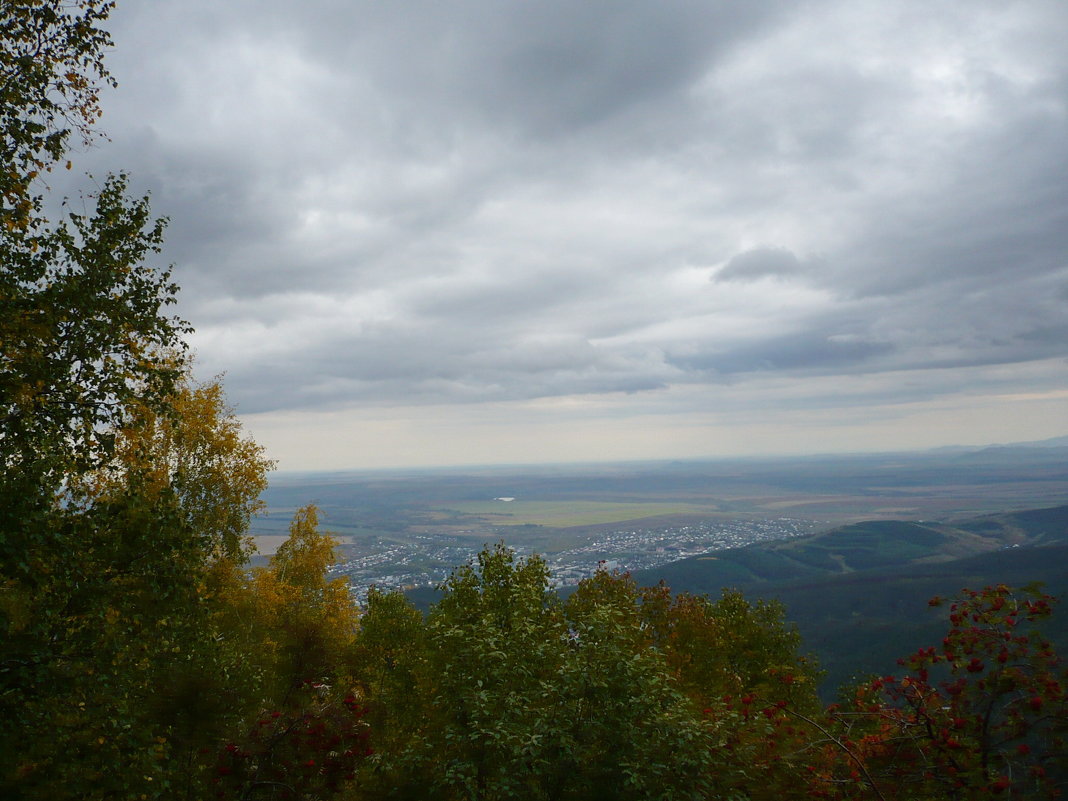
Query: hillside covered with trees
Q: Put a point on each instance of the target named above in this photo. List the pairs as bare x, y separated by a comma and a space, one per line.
142, 658
858, 593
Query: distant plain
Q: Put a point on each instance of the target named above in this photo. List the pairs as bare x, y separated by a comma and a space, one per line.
556, 506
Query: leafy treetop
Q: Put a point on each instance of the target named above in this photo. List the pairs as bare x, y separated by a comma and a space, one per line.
51, 71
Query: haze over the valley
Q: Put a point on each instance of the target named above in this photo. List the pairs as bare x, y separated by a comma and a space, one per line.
476, 232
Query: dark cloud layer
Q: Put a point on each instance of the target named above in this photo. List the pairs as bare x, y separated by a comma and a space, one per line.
457, 202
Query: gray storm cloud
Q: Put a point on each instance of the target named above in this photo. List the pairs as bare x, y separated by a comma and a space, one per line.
462, 201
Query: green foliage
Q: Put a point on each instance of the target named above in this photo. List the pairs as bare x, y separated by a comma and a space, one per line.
51, 68
636, 734
392, 669
112, 637
505, 692
482, 673
83, 337
82, 333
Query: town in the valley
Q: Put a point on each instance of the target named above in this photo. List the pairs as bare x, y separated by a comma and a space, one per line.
428, 559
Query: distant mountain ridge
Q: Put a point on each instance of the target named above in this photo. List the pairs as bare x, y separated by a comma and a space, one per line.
1052, 442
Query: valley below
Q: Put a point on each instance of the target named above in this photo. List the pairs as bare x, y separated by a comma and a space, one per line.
403, 530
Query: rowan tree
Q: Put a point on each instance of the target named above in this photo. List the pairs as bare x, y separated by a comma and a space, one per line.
982, 716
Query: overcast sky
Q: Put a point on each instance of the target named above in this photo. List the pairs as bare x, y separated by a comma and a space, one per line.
488, 231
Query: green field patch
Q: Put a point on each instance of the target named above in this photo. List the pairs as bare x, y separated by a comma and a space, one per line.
564, 514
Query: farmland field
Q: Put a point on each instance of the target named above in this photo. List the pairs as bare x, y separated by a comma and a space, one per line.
566, 514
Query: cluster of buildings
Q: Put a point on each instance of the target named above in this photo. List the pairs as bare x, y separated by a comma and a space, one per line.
428, 559
642, 548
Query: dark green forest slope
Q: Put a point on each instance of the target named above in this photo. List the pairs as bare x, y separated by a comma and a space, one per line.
858, 593
871, 545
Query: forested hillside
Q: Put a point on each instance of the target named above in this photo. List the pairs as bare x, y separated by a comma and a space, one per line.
141, 657
871, 545
858, 593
